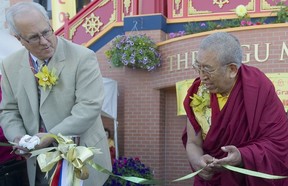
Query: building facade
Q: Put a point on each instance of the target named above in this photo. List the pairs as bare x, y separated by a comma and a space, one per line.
148, 124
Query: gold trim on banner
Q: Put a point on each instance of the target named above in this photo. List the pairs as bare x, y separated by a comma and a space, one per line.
98, 6
92, 24
251, 6
180, 14
127, 4
112, 18
177, 2
103, 3
193, 11
266, 6
114, 15
220, 3
74, 28
103, 32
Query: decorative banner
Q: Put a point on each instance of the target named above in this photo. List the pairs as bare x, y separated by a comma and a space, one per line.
280, 81
60, 8
181, 91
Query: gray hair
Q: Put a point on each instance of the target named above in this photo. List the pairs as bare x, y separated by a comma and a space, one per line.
22, 8
225, 45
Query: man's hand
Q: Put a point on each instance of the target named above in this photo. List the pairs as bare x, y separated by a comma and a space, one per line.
45, 141
27, 143
233, 158
19, 150
207, 172
17, 139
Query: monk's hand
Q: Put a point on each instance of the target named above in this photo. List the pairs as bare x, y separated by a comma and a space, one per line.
207, 171
45, 141
233, 157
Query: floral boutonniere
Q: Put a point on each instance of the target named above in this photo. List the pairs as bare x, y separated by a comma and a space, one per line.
46, 78
201, 100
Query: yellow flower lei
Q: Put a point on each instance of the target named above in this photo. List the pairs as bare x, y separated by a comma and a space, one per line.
46, 78
201, 107
200, 100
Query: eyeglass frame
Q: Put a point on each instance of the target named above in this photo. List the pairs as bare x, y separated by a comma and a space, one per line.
202, 69
45, 34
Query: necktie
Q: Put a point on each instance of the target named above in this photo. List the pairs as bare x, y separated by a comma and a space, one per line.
40, 63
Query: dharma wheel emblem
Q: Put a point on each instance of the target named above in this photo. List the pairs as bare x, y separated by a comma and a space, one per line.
220, 3
92, 24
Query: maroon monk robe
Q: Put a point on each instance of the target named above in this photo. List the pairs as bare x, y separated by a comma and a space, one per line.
5, 154
253, 120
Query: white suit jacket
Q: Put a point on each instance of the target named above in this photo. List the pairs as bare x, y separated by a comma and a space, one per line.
71, 107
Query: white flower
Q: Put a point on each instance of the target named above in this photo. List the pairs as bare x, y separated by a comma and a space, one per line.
29, 142
241, 10
24, 140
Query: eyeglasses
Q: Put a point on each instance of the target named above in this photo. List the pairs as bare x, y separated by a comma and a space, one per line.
36, 38
204, 69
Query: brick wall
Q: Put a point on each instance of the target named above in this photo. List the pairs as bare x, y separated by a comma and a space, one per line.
148, 125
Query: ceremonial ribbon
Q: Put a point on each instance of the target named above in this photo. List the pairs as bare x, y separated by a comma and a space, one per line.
6, 144
76, 156
189, 176
79, 156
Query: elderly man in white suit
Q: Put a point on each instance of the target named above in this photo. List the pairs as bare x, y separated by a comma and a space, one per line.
71, 107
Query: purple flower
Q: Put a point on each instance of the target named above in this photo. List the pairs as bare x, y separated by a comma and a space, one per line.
118, 46
172, 35
249, 23
132, 61
125, 62
136, 51
243, 23
181, 33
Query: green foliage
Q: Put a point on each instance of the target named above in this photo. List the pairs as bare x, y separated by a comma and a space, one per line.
192, 28
136, 51
196, 27
230, 23
212, 25
243, 19
128, 167
282, 13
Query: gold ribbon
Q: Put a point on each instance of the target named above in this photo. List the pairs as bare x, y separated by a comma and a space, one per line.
77, 156
6, 144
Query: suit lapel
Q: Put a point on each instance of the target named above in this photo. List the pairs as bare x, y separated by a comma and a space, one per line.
56, 62
29, 84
